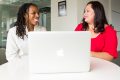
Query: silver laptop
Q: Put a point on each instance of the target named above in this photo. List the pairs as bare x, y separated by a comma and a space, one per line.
59, 51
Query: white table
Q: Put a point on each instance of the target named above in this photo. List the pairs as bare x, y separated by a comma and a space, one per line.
100, 70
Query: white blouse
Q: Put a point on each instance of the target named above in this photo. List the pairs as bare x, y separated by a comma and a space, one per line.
15, 46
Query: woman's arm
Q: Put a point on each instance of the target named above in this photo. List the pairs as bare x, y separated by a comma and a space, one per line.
109, 51
11, 46
102, 55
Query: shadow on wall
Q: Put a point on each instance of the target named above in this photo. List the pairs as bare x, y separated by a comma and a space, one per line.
2, 56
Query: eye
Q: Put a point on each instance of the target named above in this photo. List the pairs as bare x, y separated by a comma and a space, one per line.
87, 11
35, 13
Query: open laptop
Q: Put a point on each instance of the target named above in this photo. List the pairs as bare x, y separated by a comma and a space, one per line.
59, 51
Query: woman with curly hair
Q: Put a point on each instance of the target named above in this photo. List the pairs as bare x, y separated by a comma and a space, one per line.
27, 19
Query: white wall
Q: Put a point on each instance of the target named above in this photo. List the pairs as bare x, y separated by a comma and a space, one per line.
65, 23
74, 16
115, 5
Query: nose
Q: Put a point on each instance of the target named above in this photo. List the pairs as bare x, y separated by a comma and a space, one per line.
85, 14
37, 15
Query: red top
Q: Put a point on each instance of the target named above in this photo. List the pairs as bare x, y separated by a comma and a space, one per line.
104, 42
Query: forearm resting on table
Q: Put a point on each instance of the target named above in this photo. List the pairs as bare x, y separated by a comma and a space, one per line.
102, 55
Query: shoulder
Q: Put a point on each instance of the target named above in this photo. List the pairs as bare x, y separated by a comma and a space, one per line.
109, 29
12, 31
79, 27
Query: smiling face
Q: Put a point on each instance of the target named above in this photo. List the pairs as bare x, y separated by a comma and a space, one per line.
89, 14
32, 16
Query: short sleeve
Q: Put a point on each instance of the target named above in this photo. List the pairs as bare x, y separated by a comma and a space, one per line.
111, 42
79, 27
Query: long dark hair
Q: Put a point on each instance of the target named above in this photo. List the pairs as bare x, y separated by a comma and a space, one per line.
21, 21
99, 19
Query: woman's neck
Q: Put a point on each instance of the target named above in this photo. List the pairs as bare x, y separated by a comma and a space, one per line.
90, 27
30, 28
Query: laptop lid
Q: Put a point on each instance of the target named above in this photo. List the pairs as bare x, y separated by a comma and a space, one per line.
58, 52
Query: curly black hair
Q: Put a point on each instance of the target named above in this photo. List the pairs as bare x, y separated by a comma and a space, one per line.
21, 22
100, 18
